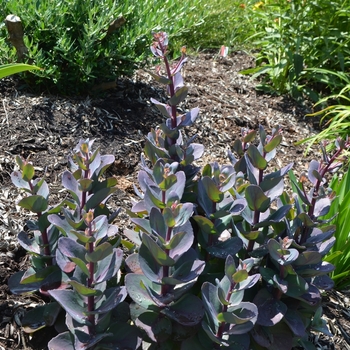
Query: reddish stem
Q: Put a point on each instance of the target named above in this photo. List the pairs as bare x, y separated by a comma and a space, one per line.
91, 299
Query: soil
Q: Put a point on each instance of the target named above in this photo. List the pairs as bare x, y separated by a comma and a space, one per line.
45, 128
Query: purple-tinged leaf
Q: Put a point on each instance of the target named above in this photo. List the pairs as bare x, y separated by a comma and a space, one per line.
248, 283
64, 263
156, 222
271, 310
158, 254
269, 156
313, 166
178, 187
238, 206
241, 318
185, 211
312, 296
189, 118
165, 109
294, 321
29, 244
306, 220
179, 96
72, 303
133, 236
100, 228
132, 263
179, 65
17, 180
106, 161
256, 199
41, 188
156, 52
82, 264
144, 180
277, 216
143, 224
61, 224
15, 286
41, 316
279, 173
179, 243
135, 286
115, 297
271, 145
72, 185
32, 276
322, 206
71, 249
160, 78
187, 311
187, 272
167, 182
64, 341
157, 327
35, 203
230, 267
282, 256
108, 267
178, 80
228, 178
308, 258
280, 283
257, 160
211, 302
85, 185
83, 290
323, 282
229, 247
326, 246
99, 197
296, 285
322, 268
100, 252
211, 189
195, 149
318, 235
276, 189
206, 225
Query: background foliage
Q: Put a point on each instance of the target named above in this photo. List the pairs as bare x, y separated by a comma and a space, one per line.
69, 38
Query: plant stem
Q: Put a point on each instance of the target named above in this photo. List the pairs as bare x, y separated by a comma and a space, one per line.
165, 287
44, 235
91, 299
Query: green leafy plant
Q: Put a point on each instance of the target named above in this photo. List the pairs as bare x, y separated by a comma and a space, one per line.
340, 215
13, 68
220, 257
82, 44
298, 54
335, 118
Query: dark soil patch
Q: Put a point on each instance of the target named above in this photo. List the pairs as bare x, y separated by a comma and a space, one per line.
46, 128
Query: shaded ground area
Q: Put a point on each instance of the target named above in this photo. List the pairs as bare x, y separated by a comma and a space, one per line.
46, 128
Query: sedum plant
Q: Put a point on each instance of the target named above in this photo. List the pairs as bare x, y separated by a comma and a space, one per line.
257, 252
220, 257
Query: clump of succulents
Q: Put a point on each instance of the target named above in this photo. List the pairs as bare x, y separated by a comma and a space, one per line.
219, 257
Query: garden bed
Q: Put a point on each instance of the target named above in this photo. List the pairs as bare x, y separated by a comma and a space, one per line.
47, 127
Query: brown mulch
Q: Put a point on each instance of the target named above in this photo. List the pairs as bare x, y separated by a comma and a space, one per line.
45, 128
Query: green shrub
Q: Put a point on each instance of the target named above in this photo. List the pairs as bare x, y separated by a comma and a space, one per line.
69, 39
297, 38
